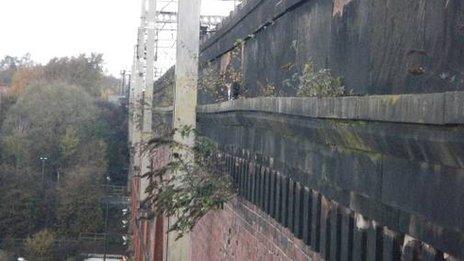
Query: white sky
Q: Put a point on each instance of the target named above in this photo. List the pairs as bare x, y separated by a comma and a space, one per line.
55, 28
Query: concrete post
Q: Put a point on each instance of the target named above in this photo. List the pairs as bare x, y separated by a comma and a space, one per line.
188, 41
132, 99
185, 97
148, 93
138, 89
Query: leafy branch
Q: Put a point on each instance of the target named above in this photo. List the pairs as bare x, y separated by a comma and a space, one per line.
190, 185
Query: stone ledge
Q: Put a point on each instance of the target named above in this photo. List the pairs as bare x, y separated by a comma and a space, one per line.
435, 108
167, 109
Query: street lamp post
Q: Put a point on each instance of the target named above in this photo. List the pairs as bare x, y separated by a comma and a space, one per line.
43, 159
108, 179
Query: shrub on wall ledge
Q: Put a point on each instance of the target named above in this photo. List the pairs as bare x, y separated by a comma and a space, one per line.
312, 83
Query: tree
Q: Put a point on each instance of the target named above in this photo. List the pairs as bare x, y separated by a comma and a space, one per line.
84, 71
112, 122
22, 203
24, 77
58, 121
10, 64
41, 122
79, 208
55, 112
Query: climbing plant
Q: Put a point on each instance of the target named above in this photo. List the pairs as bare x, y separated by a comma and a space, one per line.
191, 184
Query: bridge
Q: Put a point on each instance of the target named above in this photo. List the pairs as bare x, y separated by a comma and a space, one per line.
368, 177
374, 175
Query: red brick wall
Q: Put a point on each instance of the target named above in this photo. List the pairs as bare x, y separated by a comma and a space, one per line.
243, 232
239, 232
146, 245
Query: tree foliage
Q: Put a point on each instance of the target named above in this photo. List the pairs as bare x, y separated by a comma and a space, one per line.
84, 71
55, 111
79, 198
9, 65
193, 183
112, 122
21, 202
59, 122
24, 77
41, 122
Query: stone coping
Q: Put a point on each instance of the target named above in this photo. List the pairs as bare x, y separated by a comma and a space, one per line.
434, 108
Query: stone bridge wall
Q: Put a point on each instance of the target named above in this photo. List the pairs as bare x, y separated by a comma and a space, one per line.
352, 178
366, 177
376, 46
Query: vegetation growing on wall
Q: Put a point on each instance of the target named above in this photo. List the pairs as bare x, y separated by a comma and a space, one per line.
212, 83
321, 83
216, 80
267, 89
163, 94
193, 183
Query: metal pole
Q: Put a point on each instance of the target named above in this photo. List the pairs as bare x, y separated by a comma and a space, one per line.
106, 219
43, 172
43, 159
123, 82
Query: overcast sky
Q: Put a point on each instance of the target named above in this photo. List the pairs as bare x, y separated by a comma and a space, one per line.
54, 28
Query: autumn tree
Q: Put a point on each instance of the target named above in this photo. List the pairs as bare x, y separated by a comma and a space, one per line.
84, 71
57, 111
52, 120
25, 77
9, 65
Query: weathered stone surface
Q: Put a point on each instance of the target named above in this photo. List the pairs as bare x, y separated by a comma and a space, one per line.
391, 173
376, 48
347, 231
307, 214
436, 108
454, 107
316, 222
436, 190
393, 159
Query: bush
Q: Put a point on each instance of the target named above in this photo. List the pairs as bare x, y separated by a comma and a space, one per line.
40, 246
320, 83
6, 256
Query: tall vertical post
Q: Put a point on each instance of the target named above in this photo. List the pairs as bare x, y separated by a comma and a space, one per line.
123, 82
132, 99
185, 98
141, 97
148, 92
188, 41
138, 90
